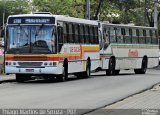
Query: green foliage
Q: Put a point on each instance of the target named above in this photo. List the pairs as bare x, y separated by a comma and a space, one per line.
61, 7
11, 7
116, 11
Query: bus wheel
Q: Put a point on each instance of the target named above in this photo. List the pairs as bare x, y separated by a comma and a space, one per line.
64, 76
22, 77
143, 67
111, 69
117, 72
87, 73
79, 75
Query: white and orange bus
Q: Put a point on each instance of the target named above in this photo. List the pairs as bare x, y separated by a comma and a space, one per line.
50, 46
55, 46
128, 47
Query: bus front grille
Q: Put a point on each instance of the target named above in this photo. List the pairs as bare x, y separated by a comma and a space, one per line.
30, 64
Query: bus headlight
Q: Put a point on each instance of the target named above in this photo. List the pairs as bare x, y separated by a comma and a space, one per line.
50, 63
14, 63
45, 63
6, 63
10, 63
54, 64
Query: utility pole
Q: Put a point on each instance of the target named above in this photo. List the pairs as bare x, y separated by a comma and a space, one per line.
145, 12
98, 10
4, 12
155, 14
87, 9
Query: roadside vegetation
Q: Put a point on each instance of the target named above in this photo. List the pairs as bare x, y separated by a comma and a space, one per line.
138, 12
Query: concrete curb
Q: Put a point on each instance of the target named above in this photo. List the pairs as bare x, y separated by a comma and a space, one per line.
3, 81
102, 111
5, 78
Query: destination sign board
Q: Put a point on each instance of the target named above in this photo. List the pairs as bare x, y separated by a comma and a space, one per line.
31, 20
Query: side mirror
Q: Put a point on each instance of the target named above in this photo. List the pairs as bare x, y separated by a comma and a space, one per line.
2, 33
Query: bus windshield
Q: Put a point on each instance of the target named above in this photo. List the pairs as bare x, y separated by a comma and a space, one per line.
22, 39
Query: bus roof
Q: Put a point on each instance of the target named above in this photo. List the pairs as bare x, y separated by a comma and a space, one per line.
126, 25
59, 18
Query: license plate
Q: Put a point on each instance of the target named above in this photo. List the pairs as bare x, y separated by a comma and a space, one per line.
29, 70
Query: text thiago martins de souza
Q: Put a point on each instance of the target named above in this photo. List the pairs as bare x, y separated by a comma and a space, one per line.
38, 112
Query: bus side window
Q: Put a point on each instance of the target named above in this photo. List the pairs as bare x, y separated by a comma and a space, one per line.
119, 35
141, 37
96, 35
81, 34
137, 35
123, 34
86, 34
151, 34
73, 33
130, 34
91, 34
148, 37
60, 34
60, 38
154, 37
105, 42
65, 33
76, 33
70, 34
134, 36
127, 37
100, 39
112, 35
156, 32
144, 34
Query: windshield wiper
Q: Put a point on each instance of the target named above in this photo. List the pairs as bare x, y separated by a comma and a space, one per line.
21, 28
24, 31
37, 32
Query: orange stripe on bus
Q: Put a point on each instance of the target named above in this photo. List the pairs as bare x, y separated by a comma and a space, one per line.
36, 58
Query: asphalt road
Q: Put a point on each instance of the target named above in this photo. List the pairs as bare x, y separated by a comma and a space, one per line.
87, 94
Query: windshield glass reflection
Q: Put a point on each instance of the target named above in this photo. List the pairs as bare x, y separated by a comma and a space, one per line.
31, 39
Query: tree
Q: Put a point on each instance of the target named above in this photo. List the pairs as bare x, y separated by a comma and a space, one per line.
114, 11
11, 7
60, 7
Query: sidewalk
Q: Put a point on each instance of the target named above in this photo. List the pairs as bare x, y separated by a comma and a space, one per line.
4, 78
145, 103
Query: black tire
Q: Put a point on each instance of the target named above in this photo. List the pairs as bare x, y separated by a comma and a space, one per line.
64, 76
117, 72
111, 69
80, 75
87, 73
22, 78
143, 67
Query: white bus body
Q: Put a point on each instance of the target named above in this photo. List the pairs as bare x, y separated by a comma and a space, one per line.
75, 47
128, 47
